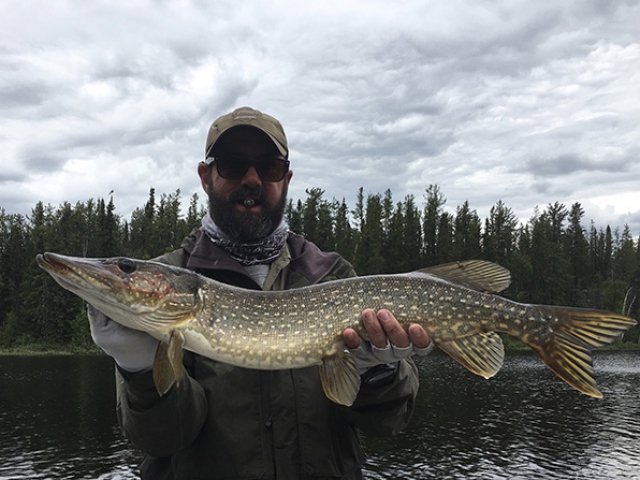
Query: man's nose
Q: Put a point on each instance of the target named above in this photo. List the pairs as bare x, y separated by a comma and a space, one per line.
252, 178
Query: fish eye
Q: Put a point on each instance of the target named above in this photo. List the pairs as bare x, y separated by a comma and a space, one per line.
127, 265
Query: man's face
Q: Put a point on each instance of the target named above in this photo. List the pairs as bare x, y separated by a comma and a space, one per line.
245, 222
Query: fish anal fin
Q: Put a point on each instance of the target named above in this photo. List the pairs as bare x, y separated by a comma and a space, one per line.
478, 275
167, 366
482, 353
340, 378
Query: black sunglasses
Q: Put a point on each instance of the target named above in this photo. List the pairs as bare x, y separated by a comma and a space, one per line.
269, 169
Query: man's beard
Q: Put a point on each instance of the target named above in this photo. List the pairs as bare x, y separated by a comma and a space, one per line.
246, 227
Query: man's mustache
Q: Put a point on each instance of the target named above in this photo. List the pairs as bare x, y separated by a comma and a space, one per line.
255, 193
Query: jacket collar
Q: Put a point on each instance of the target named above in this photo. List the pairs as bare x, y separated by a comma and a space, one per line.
307, 259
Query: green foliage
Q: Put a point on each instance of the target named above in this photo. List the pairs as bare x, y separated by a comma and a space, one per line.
553, 259
466, 233
613, 294
498, 239
434, 203
369, 257
15, 332
80, 332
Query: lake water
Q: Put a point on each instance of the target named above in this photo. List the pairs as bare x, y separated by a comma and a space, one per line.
57, 421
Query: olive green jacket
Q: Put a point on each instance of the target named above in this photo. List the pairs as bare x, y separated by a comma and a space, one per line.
225, 422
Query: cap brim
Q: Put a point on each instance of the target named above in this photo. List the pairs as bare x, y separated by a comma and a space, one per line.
282, 150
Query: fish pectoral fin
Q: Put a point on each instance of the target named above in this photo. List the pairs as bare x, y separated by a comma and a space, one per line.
167, 366
481, 354
340, 378
163, 375
478, 275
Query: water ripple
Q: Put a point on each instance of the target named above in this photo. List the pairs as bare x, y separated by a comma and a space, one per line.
524, 424
57, 421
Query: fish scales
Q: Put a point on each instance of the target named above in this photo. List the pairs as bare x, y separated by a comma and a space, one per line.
456, 303
289, 322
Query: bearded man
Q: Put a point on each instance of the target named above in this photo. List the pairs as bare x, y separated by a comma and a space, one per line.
226, 422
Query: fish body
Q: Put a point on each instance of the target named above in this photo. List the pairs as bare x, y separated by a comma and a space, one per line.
456, 303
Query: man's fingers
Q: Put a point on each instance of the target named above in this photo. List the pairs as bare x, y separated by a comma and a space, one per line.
383, 328
351, 338
394, 331
419, 337
377, 335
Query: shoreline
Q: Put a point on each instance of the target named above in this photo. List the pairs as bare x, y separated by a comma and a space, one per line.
34, 351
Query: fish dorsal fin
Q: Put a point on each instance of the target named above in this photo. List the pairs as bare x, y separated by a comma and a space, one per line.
478, 275
167, 366
481, 354
340, 378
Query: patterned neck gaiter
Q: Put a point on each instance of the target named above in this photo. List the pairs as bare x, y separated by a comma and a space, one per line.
264, 252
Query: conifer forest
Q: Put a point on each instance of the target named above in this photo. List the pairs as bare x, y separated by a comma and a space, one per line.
556, 257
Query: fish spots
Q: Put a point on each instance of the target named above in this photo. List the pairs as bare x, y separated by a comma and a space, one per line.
274, 330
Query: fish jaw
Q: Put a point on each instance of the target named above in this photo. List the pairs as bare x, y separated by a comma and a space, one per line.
146, 296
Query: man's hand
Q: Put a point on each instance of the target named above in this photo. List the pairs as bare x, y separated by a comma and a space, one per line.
383, 328
133, 351
388, 341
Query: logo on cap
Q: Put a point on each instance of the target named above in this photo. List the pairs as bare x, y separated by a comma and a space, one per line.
245, 114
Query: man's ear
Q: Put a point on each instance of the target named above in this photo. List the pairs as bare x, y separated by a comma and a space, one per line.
204, 171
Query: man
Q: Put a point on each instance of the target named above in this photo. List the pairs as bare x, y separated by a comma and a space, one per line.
224, 422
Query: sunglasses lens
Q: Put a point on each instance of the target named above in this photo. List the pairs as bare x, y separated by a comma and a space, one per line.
232, 168
270, 170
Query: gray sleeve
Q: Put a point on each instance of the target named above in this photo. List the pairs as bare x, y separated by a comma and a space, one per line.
386, 399
159, 426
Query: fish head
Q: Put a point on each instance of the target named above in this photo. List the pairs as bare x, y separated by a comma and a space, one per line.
147, 296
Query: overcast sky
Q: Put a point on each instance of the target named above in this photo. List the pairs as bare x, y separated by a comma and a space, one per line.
526, 102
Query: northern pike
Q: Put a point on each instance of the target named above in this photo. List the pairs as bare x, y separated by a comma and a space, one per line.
456, 303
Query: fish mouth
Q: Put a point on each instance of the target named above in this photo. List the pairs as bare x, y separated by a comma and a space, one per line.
59, 264
56, 265
53, 263
81, 280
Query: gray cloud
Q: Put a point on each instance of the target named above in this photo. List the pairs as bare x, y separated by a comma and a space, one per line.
568, 164
529, 103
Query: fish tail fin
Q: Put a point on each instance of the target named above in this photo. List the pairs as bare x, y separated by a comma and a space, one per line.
566, 348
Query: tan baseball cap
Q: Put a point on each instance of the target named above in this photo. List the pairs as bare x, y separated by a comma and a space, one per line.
253, 118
